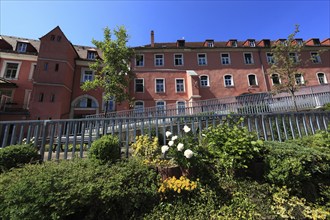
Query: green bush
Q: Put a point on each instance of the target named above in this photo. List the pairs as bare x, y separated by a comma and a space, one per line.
231, 146
106, 149
78, 189
16, 156
320, 139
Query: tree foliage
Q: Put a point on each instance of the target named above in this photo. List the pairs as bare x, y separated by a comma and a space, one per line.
112, 71
286, 56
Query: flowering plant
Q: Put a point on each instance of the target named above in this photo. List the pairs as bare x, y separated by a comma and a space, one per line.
183, 150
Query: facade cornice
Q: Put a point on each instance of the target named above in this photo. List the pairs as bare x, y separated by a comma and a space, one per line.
18, 56
52, 84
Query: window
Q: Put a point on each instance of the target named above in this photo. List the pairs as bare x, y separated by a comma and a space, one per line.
316, 42
91, 55
300, 42
160, 85
228, 80
139, 60
202, 59
179, 83
52, 37
59, 38
181, 43
86, 102
299, 79
139, 106
321, 78
6, 96
32, 70
252, 80
109, 105
87, 75
56, 67
210, 44
181, 107
270, 58
27, 97
275, 79
233, 43
159, 59
139, 85
41, 97
160, 105
252, 43
225, 59
11, 71
315, 57
52, 97
21, 47
248, 59
204, 81
45, 66
293, 57
178, 59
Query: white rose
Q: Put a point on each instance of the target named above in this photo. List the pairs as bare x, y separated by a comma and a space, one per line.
180, 146
168, 133
165, 149
186, 129
170, 143
204, 135
188, 153
174, 138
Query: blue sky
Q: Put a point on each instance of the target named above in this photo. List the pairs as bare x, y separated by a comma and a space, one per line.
171, 20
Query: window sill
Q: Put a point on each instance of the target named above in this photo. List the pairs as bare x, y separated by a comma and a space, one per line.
229, 86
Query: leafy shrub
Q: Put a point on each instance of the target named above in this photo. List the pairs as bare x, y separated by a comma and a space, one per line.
231, 146
78, 189
106, 149
146, 147
294, 166
320, 139
16, 156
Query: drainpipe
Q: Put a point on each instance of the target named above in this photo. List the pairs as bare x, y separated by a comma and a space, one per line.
263, 72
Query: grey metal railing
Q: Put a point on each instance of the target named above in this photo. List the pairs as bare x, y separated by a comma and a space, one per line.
65, 139
306, 98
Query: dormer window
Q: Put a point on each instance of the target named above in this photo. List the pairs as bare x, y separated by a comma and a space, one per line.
267, 43
181, 43
283, 42
91, 55
316, 42
299, 42
233, 43
21, 47
252, 43
209, 43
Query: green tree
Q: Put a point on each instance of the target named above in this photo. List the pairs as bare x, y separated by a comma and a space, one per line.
285, 68
112, 71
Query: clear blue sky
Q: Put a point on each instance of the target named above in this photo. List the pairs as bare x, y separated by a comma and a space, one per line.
171, 20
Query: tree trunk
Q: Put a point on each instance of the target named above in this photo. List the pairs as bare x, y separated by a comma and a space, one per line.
293, 96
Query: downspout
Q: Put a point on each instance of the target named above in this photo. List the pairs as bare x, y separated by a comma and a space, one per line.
263, 72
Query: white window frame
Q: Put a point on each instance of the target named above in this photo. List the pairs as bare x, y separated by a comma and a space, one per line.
225, 60
226, 80
245, 60
325, 80
302, 81
91, 55
139, 63
279, 79
161, 111
204, 83
27, 98
315, 56
181, 108
201, 61
32, 69
83, 74
4, 68
175, 59
255, 77
176, 85
252, 43
156, 90
159, 61
104, 102
210, 44
270, 58
136, 84
295, 57
21, 47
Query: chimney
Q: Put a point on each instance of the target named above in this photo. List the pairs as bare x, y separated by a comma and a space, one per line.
152, 38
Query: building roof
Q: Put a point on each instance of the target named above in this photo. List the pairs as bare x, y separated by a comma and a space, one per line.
11, 40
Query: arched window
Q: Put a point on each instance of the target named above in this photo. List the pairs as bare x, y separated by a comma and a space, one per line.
204, 81
86, 102
321, 78
299, 79
139, 106
275, 79
252, 80
160, 105
228, 79
181, 107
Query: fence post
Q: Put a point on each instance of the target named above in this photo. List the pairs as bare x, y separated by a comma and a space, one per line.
43, 140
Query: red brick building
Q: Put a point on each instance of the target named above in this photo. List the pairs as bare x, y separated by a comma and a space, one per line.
41, 79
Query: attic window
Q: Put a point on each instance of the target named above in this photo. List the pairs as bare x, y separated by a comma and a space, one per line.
233, 43
210, 43
299, 42
252, 43
21, 47
267, 43
59, 38
181, 43
316, 42
52, 37
91, 55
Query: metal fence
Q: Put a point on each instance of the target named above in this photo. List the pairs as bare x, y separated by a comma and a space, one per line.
65, 139
306, 98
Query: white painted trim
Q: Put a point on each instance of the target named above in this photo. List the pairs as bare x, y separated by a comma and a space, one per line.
256, 78
163, 85
184, 87
18, 56
4, 67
